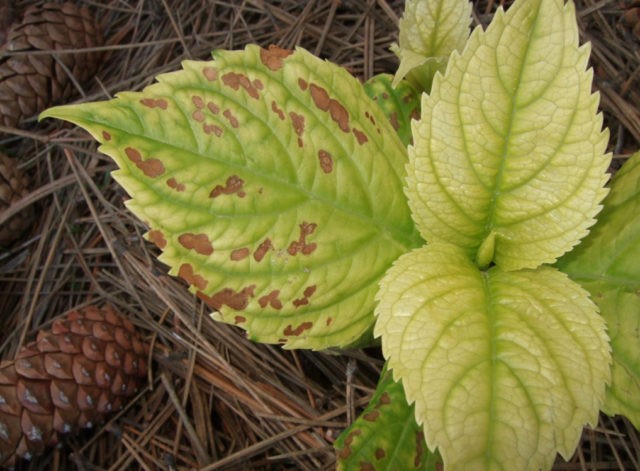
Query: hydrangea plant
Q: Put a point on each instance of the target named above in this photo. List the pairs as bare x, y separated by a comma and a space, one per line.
312, 211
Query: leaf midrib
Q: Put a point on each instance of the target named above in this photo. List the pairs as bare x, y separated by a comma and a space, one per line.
406, 240
495, 192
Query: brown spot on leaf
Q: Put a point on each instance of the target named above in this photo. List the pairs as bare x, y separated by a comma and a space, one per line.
320, 97
338, 112
385, 95
148, 102
212, 129
210, 73
360, 136
417, 460
233, 121
235, 300
277, 110
240, 254
385, 399
379, 453
234, 184
106, 136
303, 84
366, 466
354, 433
393, 119
200, 243
134, 155
274, 56
197, 101
345, 453
173, 183
308, 292
326, 161
157, 238
155, 103
262, 250
371, 416
198, 116
290, 331
239, 319
215, 109
151, 167
298, 125
300, 302
187, 274
370, 117
235, 81
271, 299
329, 321
301, 245
258, 84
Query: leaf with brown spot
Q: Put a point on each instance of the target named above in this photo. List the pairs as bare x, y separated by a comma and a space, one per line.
151, 167
385, 434
173, 183
187, 274
262, 250
240, 254
295, 332
157, 237
401, 104
233, 121
277, 110
210, 73
237, 81
273, 57
199, 243
283, 164
237, 301
271, 299
234, 184
326, 161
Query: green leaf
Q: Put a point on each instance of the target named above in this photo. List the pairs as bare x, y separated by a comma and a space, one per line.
510, 143
505, 368
259, 174
611, 252
386, 435
400, 104
606, 264
429, 32
621, 310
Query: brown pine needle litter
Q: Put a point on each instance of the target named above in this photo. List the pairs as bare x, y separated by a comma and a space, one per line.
214, 400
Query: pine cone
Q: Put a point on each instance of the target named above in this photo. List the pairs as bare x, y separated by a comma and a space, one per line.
7, 14
13, 185
29, 83
69, 377
631, 18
